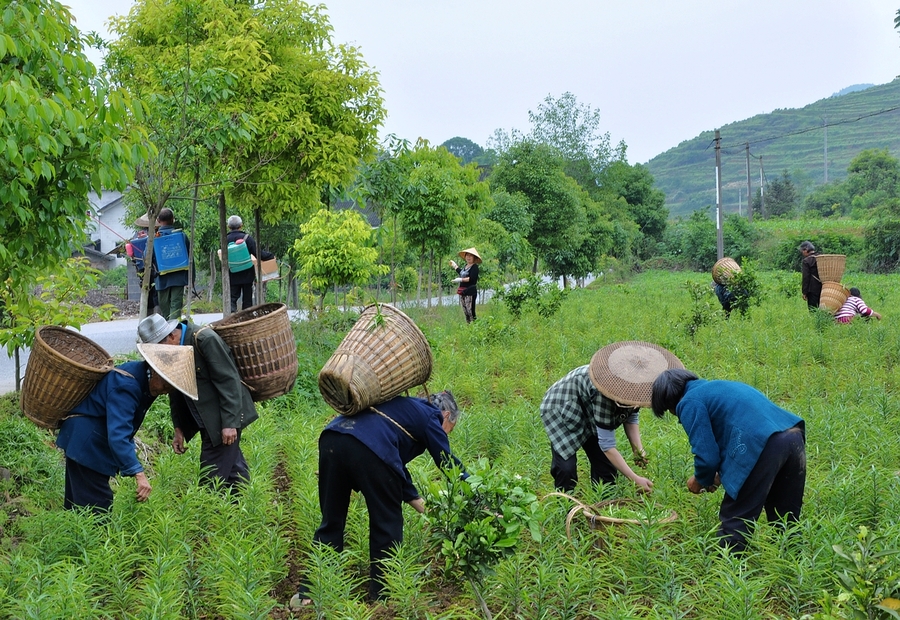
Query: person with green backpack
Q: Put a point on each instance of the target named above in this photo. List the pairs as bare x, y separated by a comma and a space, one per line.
242, 251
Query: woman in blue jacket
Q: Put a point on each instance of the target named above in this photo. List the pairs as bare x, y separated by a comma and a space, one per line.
741, 440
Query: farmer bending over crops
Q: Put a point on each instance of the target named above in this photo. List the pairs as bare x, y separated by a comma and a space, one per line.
224, 407
584, 409
741, 440
854, 306
98, 434
368, 452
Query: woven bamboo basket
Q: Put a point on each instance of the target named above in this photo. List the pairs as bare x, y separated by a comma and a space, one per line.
383, 355
63, 368
264, 349
831, 267
833, 296
723, 269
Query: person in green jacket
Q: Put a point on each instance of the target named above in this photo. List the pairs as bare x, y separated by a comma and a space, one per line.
224, 408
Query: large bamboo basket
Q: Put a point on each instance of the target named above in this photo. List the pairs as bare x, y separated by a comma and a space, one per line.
831, 267
833, 296
383, 355
723, 269
63, 368
264, 349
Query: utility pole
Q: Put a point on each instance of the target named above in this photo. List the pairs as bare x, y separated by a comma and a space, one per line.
762, 191
749, 188
720, 243
826, 149
740, 202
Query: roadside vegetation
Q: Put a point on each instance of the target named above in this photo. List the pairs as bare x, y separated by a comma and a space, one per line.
190, 553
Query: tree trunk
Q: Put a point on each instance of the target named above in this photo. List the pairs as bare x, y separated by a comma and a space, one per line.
223, 245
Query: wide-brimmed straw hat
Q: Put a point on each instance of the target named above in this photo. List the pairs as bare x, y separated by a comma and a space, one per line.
143, 221
473, 252
625, 371
154, 328
175, 364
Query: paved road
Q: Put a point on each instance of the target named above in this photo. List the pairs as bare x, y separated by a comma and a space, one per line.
119, 337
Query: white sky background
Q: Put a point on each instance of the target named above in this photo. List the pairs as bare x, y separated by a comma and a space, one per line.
659, 71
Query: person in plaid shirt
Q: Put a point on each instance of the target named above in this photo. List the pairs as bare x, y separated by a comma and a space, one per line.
576, 415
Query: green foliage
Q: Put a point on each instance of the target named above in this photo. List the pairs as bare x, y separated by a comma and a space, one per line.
335, 249
532, 292
868, 578
476, 522
463, 148
746, 286
55, 301
117, 276
786, 255
702, 310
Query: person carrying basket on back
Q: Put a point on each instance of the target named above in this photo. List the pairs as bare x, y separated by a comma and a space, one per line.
811, 284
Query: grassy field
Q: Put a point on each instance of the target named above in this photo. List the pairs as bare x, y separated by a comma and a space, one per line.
190, 553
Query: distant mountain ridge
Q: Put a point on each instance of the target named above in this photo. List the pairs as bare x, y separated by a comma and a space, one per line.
856, 118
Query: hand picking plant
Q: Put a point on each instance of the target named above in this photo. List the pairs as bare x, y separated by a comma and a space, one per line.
477, 521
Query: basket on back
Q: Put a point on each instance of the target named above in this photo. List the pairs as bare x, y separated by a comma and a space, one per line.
723, 269
831, 267
383, 355
63, 368
833, 296
263, 346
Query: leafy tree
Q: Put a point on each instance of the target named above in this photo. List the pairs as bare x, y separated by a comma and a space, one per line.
440, 199
276, 112
828, 200
874, 170
693, 241
574, 130
64, 134
511, 212
781, 197
464, 149
555, 202
335, 249
646, 204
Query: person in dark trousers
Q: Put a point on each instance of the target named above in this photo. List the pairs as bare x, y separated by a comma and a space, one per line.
224, 407
811, 285
97, 435
742, 441
170, 286
368, 452
467, 281
242, 281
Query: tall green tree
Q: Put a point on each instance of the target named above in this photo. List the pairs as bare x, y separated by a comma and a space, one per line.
64, 134
274, 110
646, 203
466, 150
440, 199
536, 172
336, 249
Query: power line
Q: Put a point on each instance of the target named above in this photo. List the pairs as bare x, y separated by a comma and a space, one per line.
808, 129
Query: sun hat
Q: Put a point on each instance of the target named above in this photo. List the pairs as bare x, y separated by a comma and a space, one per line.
625, 371
155, 328
174, 364
473, 252
143, 221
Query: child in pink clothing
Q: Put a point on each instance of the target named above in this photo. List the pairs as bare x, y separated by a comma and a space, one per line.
853, 306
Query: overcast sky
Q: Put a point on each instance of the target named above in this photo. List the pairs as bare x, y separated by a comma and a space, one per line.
659, 71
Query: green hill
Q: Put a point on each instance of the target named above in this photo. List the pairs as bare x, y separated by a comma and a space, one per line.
786, 139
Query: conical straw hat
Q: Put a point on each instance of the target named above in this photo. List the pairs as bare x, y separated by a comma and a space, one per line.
625, 371
174, 363
471, 251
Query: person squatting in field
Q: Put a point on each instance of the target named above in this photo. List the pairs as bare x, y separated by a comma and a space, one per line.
854, 306
742, 440
368, 452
